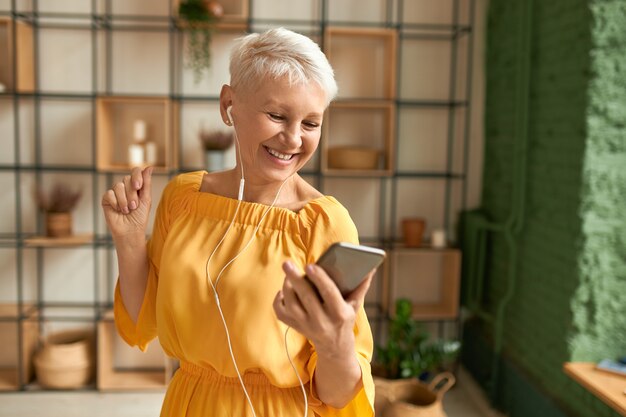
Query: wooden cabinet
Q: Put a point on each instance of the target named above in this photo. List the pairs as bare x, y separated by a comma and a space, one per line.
360, 125
430, 278
19, 332
364, 61
111, 377
116, 118
354, 129
19, 35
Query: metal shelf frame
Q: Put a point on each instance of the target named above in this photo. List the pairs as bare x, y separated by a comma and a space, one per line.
107, 23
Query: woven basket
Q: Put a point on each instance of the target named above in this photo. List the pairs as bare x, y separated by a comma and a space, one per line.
413, 398
353, 157
65, 360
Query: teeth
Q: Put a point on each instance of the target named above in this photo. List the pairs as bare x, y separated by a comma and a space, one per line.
284, 157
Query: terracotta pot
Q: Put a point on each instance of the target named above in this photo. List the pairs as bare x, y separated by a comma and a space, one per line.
65, 360
214, 8
59, 224
413, 232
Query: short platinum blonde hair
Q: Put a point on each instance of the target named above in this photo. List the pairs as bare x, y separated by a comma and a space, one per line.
277, 53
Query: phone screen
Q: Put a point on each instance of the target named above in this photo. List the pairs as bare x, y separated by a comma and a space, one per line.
348, 264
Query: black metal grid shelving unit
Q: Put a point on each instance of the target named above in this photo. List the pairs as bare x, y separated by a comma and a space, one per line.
102, 23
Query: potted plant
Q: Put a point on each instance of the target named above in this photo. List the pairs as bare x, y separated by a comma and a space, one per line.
198, 18
215, 143
58, 206
408, 357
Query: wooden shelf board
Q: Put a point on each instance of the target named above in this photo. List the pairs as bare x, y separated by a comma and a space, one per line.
134, 380
235, 25
424, 248
434, 312
8, 379
356, 172
10, 310
123, 168
609, 388
45, 241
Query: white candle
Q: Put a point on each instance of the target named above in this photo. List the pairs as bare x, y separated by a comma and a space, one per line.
151, 153
136, 155
139, 130
438, 239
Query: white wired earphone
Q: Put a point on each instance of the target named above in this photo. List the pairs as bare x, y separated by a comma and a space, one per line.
214, 286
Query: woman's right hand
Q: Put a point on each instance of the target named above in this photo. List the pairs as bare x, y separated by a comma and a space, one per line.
126, 204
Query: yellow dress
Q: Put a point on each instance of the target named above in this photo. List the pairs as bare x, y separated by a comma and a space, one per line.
179, 306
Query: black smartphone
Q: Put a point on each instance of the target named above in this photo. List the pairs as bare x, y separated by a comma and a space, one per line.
348, 264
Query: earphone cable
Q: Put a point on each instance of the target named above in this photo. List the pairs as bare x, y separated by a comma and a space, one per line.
214, 286
293, 366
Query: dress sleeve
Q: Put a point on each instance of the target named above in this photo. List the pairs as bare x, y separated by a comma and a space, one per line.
332, 224
144, 330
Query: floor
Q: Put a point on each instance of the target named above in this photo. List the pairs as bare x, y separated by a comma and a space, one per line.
464, 400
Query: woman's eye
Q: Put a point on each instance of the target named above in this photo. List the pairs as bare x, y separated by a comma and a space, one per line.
310, 125
276, 116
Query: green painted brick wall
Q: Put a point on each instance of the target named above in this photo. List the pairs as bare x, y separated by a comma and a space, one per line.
600, 302
570, 297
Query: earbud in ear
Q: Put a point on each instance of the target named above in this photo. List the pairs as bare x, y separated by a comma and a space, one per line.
230, 116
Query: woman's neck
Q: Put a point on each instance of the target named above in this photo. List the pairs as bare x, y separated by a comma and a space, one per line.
265, 192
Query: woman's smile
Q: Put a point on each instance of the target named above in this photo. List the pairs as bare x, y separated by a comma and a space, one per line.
285, 157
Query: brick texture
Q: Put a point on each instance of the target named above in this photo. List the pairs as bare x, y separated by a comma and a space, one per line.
571, 271
600, 302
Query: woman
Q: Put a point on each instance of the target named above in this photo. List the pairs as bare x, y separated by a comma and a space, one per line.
222, 277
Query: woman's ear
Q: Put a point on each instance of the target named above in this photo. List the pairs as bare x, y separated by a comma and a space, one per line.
226, 101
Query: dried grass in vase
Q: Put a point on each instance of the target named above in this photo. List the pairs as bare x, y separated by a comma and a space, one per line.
61, 199
216, 140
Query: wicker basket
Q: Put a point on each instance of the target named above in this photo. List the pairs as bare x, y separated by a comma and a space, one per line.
353, 157
66, 360
412, 398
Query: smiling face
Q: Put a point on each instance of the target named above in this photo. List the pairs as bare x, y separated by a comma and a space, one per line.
278, 127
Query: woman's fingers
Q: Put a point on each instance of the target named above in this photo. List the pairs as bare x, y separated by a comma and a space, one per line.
289, 311
357, 296
145, 190
120, 195
136, 178
127, 194
109, 199
330, 294
304, 289
131, 195
290, 297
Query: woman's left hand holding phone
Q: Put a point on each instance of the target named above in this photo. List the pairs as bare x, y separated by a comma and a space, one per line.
328, 323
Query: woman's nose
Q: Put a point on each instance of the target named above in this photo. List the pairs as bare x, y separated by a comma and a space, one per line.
292, 135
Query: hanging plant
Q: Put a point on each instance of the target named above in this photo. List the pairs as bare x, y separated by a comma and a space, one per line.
200, 17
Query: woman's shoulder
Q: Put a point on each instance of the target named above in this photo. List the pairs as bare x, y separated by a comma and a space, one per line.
325, 209
182, 184
325, 220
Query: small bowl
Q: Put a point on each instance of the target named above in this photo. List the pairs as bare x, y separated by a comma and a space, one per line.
353, 157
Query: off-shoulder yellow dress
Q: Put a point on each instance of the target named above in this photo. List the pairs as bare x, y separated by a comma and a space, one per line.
179, 306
